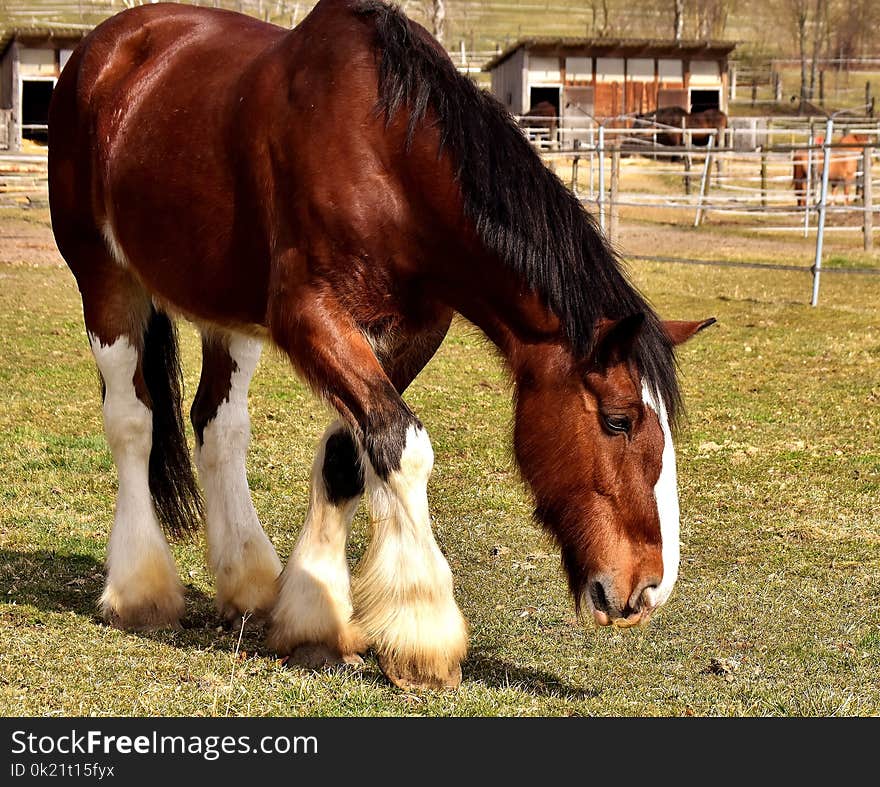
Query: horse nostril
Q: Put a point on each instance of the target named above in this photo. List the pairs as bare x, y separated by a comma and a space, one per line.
597, 594
642, 596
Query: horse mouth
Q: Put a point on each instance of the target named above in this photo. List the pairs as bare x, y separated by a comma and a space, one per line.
602, 619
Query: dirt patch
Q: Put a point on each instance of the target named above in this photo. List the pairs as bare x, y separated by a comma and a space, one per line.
27, 242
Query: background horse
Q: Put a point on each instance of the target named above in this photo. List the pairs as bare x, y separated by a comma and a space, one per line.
842, 172
542, 116
675, 116
343, 202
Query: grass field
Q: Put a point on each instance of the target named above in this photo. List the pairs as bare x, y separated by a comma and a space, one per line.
776, 611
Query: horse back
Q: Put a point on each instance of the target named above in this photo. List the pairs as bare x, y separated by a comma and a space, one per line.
196, 140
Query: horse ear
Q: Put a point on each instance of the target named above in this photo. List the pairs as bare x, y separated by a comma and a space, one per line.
679, 331
615, 338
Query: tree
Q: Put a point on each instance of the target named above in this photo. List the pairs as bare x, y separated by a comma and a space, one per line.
438, 18
678, 20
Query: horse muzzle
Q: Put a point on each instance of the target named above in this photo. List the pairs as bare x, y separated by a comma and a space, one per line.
622, 605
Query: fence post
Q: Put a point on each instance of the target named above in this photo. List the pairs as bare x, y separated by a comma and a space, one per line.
600, 152
808, 190
574, 174
704, 182
823, 199
685, 142
613, 207
763, 178
592, 192
868, 198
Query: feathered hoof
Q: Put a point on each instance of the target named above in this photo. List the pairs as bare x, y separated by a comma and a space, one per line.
411, 678
148, 616
317, 656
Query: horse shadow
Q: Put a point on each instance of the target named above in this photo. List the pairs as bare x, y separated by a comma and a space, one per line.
55, 582
485, 666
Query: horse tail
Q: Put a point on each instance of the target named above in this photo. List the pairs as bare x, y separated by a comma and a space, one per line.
173, 484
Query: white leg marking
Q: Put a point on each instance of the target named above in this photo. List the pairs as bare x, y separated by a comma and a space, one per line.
314, 602
666, 495
113, 244
403, 594
240, 554
142, 586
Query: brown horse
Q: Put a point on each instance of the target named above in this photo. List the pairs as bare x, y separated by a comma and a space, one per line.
542, 116
679, 117
340, 190
842, 172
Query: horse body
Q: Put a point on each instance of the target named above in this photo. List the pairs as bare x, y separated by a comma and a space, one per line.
679, 117
341, 191
842, 171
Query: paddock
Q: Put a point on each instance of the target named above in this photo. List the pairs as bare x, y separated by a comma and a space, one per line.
775, 612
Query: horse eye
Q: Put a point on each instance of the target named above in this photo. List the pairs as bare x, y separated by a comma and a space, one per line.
618, 424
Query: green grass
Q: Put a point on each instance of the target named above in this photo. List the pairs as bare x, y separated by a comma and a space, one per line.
775, 613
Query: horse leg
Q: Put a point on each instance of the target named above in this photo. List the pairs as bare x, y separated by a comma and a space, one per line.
312, 619
404, 602
403, 592
240, 555
142, 589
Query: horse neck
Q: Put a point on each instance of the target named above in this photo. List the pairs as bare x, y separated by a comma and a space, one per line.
491, 296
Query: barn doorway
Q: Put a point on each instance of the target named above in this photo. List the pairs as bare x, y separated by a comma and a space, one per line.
538, 95
35, 96
701, 100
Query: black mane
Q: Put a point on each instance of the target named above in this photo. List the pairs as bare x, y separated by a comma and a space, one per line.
521, 210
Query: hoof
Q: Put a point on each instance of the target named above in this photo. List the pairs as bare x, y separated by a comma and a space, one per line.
231, 614
410, 678
149, 617
316, 656
163, 612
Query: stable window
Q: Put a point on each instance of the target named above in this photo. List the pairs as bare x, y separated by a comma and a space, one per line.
670, 70
705, 72
640, 69
579, 69
609, 69
544, 69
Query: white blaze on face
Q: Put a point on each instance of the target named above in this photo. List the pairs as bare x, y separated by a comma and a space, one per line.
666, 495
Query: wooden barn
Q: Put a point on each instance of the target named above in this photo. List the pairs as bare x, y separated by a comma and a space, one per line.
601, 78
31, 60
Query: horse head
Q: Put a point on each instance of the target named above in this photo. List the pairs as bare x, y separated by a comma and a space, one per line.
593, 440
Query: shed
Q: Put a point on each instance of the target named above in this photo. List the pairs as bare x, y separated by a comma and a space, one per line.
601, 78
31, 59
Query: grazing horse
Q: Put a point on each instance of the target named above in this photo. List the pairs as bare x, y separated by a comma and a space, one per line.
341, 191
673, 116
842, 171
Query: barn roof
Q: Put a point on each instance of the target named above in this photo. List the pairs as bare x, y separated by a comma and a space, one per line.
609, 47
42, 34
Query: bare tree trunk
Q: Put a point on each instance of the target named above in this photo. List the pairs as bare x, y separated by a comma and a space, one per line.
819, 19
802, 51
438, 19
678, 20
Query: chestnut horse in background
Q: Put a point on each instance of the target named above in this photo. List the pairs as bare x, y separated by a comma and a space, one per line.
842, 172
340, 191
